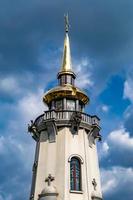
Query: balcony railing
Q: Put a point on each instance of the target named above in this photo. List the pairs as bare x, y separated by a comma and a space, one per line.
66, 115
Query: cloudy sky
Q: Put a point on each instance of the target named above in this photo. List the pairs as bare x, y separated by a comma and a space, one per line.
31, 42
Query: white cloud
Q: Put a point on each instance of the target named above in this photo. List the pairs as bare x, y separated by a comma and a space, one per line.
18, 146
116, 178
31, 105
104, 150
83, 72
105, 108
128, 89
2, 144
9, 85
1, 198
27, 108
105, 147
15, 140
121, 138
117, 142
109, 185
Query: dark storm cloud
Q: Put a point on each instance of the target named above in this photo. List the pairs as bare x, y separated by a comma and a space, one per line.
24, 28
17, 174
107, 37
101, 30
15, 170
118, 157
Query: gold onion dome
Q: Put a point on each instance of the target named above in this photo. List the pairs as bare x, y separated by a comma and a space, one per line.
66, 89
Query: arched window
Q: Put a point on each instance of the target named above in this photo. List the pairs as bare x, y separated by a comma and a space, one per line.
75, 174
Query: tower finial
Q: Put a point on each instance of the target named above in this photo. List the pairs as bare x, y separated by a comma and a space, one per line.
67, 25
66, 61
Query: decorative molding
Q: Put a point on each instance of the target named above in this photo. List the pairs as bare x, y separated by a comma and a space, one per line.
48, 194
76, 192
75, 122
66, 118
94, 134
77, 156
96, 198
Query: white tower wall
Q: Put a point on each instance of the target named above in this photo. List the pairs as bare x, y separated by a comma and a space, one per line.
54, 158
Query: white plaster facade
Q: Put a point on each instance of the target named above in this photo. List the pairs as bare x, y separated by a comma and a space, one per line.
53, 158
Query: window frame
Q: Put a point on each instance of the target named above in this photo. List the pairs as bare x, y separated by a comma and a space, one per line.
80, 160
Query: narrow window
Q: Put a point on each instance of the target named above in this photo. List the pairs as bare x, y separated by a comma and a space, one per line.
75, 174
59, 105
63, 80
69, 79
70, 104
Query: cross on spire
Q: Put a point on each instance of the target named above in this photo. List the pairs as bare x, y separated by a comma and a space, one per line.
94, 183
49, 179
67, 25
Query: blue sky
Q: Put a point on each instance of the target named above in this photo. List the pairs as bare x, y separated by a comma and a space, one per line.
31, 42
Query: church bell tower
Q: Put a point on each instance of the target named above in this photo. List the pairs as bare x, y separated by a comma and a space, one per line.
66, 163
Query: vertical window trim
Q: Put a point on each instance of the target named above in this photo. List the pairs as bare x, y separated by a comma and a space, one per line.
65, 79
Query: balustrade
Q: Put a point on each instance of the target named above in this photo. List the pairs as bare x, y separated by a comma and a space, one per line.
66, 115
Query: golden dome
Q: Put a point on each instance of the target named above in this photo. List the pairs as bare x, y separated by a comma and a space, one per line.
68, 91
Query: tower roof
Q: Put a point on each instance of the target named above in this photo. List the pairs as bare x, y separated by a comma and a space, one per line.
66, 89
